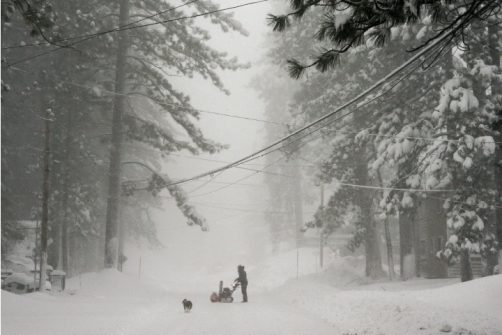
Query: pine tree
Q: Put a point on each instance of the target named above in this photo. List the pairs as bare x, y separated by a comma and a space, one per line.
347, 25
78, 83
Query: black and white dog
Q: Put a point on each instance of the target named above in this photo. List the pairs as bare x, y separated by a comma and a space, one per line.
187, 305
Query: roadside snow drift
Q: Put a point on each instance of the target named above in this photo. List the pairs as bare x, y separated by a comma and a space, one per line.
335, 301
94, 303
472, 308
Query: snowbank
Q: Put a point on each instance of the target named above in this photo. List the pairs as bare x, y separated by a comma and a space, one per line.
280, 268
397, 308
95, 303
483, 295
112, 284
336, 300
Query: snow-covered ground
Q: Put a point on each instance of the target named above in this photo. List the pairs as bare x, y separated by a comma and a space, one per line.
335, 301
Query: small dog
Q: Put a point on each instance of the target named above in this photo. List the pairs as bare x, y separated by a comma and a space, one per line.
187, 305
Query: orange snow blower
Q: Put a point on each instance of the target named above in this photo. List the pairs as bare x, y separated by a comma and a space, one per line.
224, 293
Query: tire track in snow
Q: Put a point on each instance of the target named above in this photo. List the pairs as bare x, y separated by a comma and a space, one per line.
262, 315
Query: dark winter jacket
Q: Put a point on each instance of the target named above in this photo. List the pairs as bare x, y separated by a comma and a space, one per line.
243, 279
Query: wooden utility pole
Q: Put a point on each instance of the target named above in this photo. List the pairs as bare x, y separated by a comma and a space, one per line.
45, 201
114, 173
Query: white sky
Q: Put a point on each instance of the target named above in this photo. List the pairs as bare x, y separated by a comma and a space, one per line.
235, 236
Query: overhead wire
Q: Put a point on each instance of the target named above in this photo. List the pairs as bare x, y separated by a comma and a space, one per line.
461, 202
91, 36
315, 130
379, 83
100, 32
376, 85
351, 184
308, 134
238, 180
167, 104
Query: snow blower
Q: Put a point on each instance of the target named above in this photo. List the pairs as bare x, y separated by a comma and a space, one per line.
224, 293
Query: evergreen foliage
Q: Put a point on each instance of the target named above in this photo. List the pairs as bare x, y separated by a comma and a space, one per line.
347, 25
433, 129
76, 83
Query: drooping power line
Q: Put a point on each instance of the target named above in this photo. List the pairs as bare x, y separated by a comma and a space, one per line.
353, 101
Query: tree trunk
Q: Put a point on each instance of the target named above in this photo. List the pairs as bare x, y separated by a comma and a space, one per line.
390, 256
63, 224
121, 259
364, 201
372, 249
465, 265
496, 91
388, 240
45, 203
407, 250
112, 210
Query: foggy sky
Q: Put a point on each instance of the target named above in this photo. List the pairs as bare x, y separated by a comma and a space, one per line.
234, 236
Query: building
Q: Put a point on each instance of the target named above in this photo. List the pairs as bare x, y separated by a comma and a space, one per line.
423, 233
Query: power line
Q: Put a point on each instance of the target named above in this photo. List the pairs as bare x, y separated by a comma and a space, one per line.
239, 180
401, 68
242, 161
237, 167
240, 209
128, 95
240, 117
272, 122
212, 181
341, 116
460, 202
90, 36
256, 171
288, 144
282, 147
100, 32
371, 187
378, 84
210, 112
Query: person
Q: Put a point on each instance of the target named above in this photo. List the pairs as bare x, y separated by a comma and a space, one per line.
243, 281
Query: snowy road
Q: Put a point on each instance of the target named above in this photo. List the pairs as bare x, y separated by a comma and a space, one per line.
113, 303
261, 316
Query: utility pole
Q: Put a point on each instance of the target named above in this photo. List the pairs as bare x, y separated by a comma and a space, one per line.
114, 172
45, 201
321, 236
